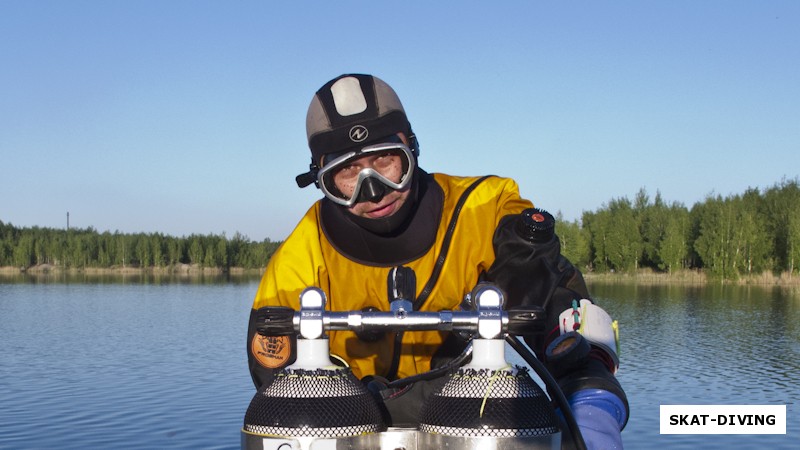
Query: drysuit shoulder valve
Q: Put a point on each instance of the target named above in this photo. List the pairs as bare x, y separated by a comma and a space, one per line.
536, 225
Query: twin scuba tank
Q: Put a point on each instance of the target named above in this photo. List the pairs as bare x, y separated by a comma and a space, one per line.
314, 404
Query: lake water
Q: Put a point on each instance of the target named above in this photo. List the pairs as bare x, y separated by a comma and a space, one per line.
162, 364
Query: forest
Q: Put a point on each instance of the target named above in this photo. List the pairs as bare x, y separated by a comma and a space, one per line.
726, 237
81, 248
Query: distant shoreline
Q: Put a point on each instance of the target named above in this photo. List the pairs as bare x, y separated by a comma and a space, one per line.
178, 269
688, 277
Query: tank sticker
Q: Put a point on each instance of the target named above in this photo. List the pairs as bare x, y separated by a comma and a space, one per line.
271, 352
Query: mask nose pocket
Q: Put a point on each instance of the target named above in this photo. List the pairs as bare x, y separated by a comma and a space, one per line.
372, 190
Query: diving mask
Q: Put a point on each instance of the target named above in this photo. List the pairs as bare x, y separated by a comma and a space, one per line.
364, 174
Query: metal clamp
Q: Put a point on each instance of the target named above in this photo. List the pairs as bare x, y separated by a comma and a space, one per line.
488, 319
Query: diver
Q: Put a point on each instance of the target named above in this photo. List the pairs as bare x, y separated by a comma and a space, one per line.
380, 210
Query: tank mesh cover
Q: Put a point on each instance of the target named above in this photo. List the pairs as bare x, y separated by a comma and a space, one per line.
496, 403
314, 403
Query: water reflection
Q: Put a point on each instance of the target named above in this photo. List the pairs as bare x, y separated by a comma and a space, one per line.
714, 344
133, 277
87, 365
138, 362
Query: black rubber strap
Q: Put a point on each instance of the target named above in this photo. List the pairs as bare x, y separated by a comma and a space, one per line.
448, 237
437, 270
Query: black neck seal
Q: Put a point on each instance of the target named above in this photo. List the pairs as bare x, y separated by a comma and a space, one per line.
398, 239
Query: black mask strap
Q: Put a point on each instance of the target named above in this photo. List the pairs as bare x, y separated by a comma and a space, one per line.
306, 179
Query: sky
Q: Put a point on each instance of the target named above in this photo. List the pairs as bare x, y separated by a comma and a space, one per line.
188, 117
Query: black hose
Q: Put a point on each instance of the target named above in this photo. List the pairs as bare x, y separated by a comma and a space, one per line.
434, 373
553, 388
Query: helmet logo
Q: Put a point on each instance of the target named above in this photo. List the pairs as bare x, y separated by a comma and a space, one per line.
358, 133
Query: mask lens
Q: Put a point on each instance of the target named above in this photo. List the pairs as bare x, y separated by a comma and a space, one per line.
342, 179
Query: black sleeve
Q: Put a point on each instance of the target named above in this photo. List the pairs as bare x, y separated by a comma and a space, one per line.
533, 272
267, 354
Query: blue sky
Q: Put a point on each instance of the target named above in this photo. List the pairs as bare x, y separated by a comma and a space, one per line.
189, 116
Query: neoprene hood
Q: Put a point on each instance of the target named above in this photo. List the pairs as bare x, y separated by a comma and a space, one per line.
353, 110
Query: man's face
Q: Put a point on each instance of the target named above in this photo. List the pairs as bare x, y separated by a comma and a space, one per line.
390, 166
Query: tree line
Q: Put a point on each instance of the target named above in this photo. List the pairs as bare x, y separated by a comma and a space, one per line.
81, 248
726, 237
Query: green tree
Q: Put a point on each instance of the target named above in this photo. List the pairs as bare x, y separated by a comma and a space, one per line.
210, 257
714, 243
196, 251
623, 241
597, 224
176, 251
652, 227
222, 255
751, 242
673, 247
6, 247
23, 251
157, 247
574, 242
793, 241
780, 202
143, 251
239, 250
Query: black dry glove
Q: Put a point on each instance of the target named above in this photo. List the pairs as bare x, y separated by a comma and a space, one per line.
402, 406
